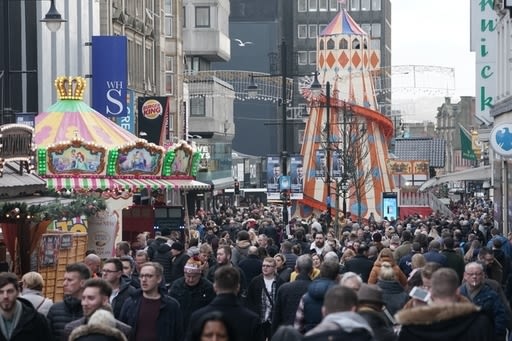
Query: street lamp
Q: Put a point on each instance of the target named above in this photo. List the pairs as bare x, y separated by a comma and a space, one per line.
53, 19
344, 188
316, 90
252, 92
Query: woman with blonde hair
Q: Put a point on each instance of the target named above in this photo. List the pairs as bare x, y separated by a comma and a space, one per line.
32, 290
386, 255
347, 255
394, 295
473, 251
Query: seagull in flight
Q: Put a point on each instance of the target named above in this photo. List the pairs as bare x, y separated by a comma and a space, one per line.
243, 43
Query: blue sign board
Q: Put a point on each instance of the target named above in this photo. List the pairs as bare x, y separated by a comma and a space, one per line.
128, 122
109, 75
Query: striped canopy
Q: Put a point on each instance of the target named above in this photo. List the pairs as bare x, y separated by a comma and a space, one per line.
71, 119
342, 24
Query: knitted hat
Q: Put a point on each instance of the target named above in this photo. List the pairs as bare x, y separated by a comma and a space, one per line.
193, 266
370, 293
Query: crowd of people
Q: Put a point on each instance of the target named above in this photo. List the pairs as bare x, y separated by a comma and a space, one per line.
240, 274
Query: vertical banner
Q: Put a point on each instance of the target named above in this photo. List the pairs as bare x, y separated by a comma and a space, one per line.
337, 165
152, 118
297, 176
109, 75
273, 176
390, 205
128, 122
484, 42
321, 163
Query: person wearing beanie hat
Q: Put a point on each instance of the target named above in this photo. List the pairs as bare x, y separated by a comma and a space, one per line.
370, 307
192, 291
178, 260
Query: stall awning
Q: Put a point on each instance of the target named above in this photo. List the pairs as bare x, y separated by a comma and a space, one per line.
79, 183
139, 184
479, 173
190, 185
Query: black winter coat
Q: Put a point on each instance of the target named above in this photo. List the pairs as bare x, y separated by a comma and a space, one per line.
361, 265
125, 291
244, 322
191, 298
31, 326
62, 313
169, 322
287, 301
162, 255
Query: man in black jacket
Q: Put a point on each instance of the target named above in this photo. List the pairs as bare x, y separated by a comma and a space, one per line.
178, 260
95, 296
261, 295
70, 309
360, 264
25, 323
289, 294
245, 323
192, 291
121, 285
150, 312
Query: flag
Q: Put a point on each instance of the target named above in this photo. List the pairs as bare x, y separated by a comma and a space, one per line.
466, 145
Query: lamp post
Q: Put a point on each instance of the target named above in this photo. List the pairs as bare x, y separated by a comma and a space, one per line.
53, 19
316, 89
252, 92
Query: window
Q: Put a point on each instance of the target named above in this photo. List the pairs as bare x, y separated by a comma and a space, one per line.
169, 63
330, 44
168, 26
198, 106
375, 31
169, 83
376, 5
367, 28
302, 31
321, 28
313, 5
168, 6
355, 5
202, 16
184, 16
313, 31
365, 5
312, 57
343, 44
302, 5
322, 5
333, 5
302, 57
375, 44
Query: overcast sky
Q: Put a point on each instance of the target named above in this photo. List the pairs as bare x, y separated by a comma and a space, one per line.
435, 32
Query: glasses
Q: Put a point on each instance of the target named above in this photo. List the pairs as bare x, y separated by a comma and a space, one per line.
149, 276
107, 271
267, 266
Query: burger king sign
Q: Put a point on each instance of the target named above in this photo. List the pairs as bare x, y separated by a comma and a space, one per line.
152, 109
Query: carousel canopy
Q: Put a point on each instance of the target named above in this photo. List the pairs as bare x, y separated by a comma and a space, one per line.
70, 118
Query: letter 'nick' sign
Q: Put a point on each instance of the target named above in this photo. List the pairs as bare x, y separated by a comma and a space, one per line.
109, 75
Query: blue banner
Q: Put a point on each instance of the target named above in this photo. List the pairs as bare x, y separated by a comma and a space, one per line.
128, 122
109, 75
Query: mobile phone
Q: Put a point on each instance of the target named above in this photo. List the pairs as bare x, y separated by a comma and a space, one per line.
420, 294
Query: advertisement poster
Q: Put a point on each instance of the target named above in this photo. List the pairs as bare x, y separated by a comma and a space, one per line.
152, 114
337, 164
49, 250
320, 164
297, 177
390, 205
273, 175
103, 229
